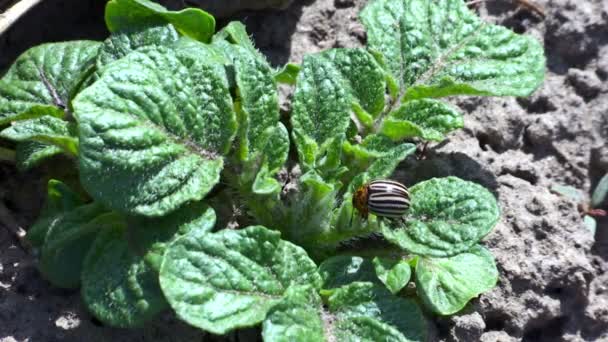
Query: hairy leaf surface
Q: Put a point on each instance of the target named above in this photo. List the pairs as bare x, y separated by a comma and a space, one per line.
426, 119
437, 48
118, 286
357, 312
447, 216
342, 270
394, 273
29, 154
230, 279
67, 241
60, 199
43, 80
151, 236
122, 43
45, 129
257, 94
128, 14
152, 131
447, 284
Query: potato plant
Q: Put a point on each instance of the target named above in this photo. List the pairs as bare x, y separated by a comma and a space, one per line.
169, 122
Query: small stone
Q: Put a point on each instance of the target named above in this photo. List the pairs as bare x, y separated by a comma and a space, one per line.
585, 83
497, 336
468, 327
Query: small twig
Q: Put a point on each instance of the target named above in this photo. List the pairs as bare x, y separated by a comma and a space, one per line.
8, 18
8, 222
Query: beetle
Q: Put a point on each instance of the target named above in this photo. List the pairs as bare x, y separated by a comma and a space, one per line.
383, 198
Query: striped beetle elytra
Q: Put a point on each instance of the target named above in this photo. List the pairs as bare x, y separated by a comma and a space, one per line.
383, 198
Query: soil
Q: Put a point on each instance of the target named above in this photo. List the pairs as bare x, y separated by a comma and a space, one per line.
553, 272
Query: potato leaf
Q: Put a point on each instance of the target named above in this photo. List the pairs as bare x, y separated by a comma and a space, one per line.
29, 154
60, 199
236, 33
68, 240
118, 286
342, 270
151, 236
257, 94
288, 74
438, 48
230, 279
43, 80
329, 86
394, 273
152, 131
45, 129
447, 216
600, 192
129, 14
357, 312
123, 42
426, 119
445, 285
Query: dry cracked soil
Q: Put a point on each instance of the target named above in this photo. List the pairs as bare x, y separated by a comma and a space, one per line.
553, 271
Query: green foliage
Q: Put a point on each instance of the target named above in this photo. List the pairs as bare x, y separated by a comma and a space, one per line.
167, 117
447, 216
230, 279
44, 79
439, 48
132, 14
445, 285
600, 192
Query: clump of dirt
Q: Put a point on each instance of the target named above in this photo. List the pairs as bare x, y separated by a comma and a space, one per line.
553, 272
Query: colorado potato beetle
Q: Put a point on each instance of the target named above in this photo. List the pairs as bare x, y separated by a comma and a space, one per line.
383, 198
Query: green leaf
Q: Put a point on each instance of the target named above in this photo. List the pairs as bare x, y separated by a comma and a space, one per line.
395, 274
118, 286
30, 154
129, 14
151, 236
45, 129
359, 157
445, 285
152, 131
43, 80
230, 279
362, 76
321, 105
123, 42
600, 192
67, 241
342, 270
297, 318
590, 224
438, 48
258, 95
447, 216
60, 199
369, 312
569, 192
288, 74
384, 166
358, 312
236, 33
273, 145
426, 119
